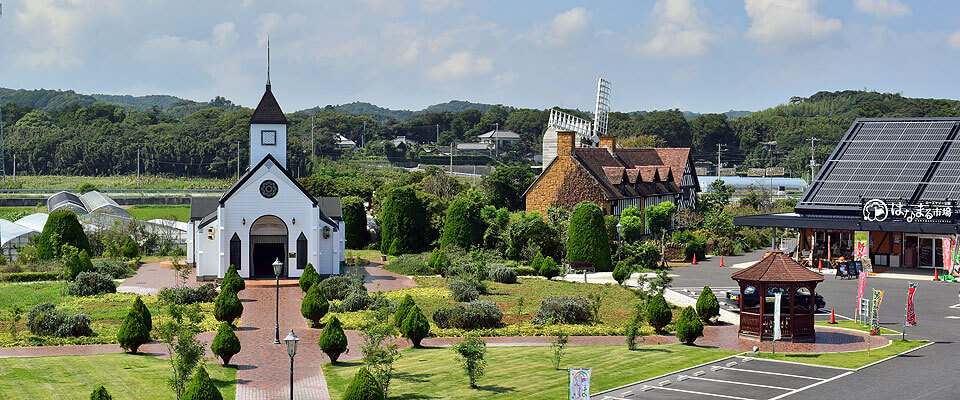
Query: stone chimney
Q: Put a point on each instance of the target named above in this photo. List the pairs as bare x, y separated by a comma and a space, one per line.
610, 142
565, 143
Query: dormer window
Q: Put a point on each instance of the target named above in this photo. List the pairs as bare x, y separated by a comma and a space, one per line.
268, 138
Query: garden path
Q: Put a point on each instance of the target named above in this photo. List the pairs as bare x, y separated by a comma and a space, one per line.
151, 277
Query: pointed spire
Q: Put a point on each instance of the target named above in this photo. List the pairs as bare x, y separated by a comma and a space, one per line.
268, 63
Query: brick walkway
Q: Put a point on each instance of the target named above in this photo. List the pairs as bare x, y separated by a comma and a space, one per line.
151, 277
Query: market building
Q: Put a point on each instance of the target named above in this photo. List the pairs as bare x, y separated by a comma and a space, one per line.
887, 196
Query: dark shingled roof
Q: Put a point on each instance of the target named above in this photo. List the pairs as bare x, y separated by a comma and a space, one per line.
202, 206
609, 170
268, 111
776, 267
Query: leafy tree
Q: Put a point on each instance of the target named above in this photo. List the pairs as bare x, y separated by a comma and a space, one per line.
355, 220
87, 187
309, 278
720, 224
707, 305
689, 327
471, 352
100, 393
226, 344
505, 186
62, 228
715, 198
333, 341
402, 222
232, 280
531, 234
658, 313
415, 326
228, 307
380, 352
130, 250
136, 326
622, 272
549, 268
463, 226
363, 387
712, 129
75, 262
201, 388
314, 306
669, 125
632, 330
537, 262
587, 237
402, 309
633, 225
659, 221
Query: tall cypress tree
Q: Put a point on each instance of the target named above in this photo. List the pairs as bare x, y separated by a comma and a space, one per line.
355, 220
402, 221
463, 226
587, 239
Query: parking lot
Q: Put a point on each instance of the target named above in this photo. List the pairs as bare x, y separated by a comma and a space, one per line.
735, 377
720, 292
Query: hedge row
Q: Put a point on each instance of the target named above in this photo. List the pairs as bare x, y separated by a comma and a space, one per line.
29, 276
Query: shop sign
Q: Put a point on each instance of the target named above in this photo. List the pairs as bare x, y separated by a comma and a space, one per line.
877, 210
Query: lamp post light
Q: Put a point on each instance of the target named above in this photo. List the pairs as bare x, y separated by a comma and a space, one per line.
277, 267
619, 238
291, 342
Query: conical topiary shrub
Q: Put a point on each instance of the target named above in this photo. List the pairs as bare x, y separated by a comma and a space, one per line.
226, 344
363, 387
402, 309
309, 278
100, 393
415, 326
549, 268
227, 308
232, 280
314, 306
622, 272
145, 315
537, 262
201, 387
134, 331
333, 341
689, 327
707, 305
658, 313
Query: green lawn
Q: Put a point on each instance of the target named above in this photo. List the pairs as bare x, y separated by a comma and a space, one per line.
524, 372
107, 312
849, 324
855, 359
14, 213
67, 182
147, 212
74, 377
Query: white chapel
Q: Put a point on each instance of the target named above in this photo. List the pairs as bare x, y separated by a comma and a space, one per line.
267, 215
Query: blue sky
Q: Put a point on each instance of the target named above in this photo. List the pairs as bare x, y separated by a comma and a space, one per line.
704, 56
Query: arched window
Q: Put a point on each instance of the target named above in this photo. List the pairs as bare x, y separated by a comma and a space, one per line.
235, 251
302, 251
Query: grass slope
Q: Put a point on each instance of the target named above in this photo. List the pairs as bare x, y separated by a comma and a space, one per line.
66, 182
854, 359
147, 212
523, 372
74, 377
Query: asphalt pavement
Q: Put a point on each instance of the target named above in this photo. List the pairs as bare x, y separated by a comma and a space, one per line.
927, 373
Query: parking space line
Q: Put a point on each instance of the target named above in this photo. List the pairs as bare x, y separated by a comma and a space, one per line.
742, 383
812, 385
775, 373
795, 363
722, 396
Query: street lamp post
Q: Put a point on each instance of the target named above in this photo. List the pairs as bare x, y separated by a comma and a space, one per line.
619, 238
291, 342
277, 267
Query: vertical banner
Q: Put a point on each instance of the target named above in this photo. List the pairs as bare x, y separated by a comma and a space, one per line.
862, 285
947, 255
580, 384
874, 310
861, 249
776, 316
910, 319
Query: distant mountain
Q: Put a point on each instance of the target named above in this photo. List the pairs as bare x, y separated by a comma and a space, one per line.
456, 106
141, 103
45, 99
731, 115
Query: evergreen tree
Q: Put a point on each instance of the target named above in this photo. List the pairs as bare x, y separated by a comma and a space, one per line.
314, 306
201, 387
587, 239
707, 305
402, 222
402, 309
135, 329
537, 262
689, 327
309, 278
363, 387
415, 326
62, 228
549, 268
145, 315
622, 272
355, 221
228, 307
333, 341
100, 393
226, 344
658, 313
232, 280
463, 226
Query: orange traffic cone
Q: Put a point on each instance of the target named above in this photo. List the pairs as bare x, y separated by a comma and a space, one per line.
820, 266
936, 274
721, 261
694, 258
833, 317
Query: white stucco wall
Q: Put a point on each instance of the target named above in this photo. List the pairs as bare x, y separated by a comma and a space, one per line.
258, 151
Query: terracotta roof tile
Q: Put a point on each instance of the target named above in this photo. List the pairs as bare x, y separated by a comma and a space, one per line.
614, 174
776, 267
632, 175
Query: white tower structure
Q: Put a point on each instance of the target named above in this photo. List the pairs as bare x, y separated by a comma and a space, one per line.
585, 129
268, 127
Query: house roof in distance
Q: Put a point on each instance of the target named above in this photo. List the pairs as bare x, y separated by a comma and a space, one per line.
268, 111
499, 134
776, 267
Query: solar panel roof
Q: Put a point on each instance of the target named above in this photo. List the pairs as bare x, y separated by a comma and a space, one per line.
909, 159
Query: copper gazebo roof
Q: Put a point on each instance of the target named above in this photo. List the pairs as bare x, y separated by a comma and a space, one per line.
777, 267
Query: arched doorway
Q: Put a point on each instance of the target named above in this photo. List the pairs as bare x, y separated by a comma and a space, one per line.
268, 242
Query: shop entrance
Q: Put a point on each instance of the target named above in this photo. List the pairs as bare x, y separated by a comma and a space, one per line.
922, 251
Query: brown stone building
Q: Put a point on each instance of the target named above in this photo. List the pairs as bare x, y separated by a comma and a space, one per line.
615, 178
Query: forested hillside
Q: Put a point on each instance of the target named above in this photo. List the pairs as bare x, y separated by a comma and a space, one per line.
62, 132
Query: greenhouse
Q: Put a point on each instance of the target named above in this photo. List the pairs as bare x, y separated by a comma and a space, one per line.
13, 236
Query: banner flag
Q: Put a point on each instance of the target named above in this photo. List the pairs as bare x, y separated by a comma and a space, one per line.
580, 384
947, 259
911, 318
862, 285
874, 309
776, 316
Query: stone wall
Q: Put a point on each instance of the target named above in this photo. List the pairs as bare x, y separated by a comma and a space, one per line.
564, 183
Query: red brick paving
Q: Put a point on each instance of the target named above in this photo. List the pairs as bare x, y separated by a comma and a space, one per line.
151, 277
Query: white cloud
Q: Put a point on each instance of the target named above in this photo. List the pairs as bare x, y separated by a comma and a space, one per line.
435, 6
680, 31
568, 27
954, 41
883, 8
460, 65
505, 78
225, 33
57, 30
788, 23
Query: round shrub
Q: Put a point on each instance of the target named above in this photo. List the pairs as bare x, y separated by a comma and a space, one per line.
62, 228
206, 293
697, 246
335, 287
707, 305
309, 278
524, 270
463, 291
408, 264
232, 280
563, 310
622, 272
115, 269
356, 301
641, 254
448, 317
723, 247
130, 250
363, 387
75, 325
90, 283
402, 309
100, 393
689, 327
587, 239
658, 313
549, 268
75, 261
314, 306
201, 387
480, 314
44, 319
226, 344
333, 341
228, 307
503, 274
135, 330
415, 326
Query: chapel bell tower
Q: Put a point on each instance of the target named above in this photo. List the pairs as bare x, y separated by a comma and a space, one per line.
268, 127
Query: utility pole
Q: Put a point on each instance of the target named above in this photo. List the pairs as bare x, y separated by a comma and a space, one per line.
438, 134
14, 167
720, 149
3, 164
238, 160
453, 146
138, 167
313, 151
813, 163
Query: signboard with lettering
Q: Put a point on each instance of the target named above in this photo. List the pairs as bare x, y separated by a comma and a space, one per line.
877, 210
580, 384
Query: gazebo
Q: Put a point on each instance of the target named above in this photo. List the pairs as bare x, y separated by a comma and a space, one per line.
777, 272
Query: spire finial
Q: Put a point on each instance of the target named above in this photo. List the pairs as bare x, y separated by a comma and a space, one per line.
268, 63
